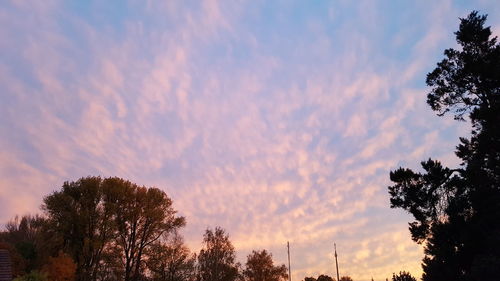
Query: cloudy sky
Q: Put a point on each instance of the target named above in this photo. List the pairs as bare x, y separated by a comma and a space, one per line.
276, 120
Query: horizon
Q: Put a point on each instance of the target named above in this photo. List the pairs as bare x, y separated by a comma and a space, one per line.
275, 121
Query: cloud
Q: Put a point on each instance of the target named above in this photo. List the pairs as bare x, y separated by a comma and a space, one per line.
276, 123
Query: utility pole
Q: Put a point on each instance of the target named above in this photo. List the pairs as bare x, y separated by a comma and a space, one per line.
289, 270
336, 263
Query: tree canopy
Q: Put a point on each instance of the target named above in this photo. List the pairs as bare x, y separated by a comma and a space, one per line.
260, 267
457, 210
217, 259
107, 225
403, 276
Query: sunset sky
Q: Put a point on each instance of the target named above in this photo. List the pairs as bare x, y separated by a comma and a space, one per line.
276, 120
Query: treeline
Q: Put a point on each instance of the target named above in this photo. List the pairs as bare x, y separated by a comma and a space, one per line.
112, 229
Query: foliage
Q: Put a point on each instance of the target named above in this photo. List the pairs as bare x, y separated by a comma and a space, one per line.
457, 210
107, 225
260, 267
171, 260
323, 277
216, 261
345, 278
33, 276
142, 215
60, 268
22, 233
403, 276
80, 222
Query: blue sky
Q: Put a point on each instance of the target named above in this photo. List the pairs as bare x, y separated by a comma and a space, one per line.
276, 120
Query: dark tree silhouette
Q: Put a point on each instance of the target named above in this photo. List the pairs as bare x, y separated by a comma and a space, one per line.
24, 234
216, 261
107, 225
403, 276
457, 211
260, 267
80, 223
170, 260
323, 277
141, 216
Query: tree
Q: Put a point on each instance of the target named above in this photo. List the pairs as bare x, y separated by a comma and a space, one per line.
260, 267
106, 225
457, 211
141, 216
171, 261
60, 268
24, 234
345, 278
323, 277
81, 223
216, 261
403, 276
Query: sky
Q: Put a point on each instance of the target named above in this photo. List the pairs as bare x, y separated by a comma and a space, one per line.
275, 120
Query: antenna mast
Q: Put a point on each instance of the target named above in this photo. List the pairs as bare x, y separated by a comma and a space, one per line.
289, 270
336, 263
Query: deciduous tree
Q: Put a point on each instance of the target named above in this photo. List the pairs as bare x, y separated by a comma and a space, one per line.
216, 261
81, 222
260, 267
60, 268
170, 260
141, 216
24, 234
323, 277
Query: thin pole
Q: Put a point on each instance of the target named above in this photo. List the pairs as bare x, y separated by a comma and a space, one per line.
289, 270
336, 262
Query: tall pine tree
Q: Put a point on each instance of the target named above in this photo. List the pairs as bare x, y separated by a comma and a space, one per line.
457, 211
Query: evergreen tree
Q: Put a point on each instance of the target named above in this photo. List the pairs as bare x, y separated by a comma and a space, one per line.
457, 211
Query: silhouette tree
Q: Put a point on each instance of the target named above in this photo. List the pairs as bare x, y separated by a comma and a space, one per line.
403, 276
457, 211
216, 261
346, 278
106, 226
81, 223
323, 277
24, 234
141, 216
171, 260
260, 267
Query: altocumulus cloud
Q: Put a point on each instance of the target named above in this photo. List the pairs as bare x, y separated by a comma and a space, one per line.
277, 121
